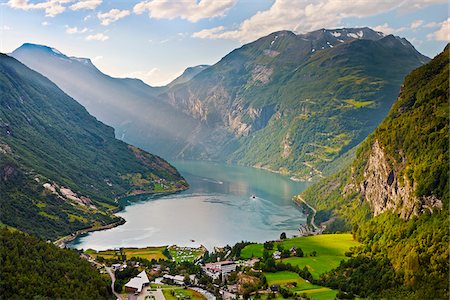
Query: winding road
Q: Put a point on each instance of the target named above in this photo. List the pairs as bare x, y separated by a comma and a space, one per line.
113, 279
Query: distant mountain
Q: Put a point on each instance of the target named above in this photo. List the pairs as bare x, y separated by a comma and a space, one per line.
187, 75
294, 103
61, 170
128, 105
394, 195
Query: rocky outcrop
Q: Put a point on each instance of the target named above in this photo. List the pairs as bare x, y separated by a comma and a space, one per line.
385, 188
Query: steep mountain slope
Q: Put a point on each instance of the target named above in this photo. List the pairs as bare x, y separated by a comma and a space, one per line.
187, 75
395, 193
293, 103
60, 168
32, 268
128, 105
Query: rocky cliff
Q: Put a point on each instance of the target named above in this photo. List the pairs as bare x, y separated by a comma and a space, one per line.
386, 187
294, 103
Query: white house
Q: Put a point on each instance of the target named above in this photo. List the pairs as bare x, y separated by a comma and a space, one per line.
277, 255
136, 283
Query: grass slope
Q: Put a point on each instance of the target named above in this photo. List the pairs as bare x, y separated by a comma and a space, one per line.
330, 250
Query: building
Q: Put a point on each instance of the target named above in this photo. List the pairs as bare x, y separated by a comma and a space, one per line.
136, 283
214, 270
277, 255
293, 251
177, 279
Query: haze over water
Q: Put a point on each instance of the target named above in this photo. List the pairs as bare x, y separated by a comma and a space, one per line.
218, 209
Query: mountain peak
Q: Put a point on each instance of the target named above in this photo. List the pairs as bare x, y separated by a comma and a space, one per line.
31, 46
37, 48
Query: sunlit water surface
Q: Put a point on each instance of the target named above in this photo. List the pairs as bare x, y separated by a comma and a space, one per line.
217, 210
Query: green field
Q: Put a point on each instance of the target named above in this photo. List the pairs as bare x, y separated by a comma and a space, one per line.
330, 250
285, 280
147, 253
180, 293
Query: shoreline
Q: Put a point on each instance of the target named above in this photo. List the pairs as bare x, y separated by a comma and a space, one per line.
61, 242
305, 229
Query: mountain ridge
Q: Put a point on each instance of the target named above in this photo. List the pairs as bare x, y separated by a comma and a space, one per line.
267, 87
251, 88
61, 170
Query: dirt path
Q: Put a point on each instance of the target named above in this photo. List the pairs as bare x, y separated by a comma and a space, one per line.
113, 279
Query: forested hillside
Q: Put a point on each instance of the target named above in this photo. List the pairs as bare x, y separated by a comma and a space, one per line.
394, 196
34, 269
60, 168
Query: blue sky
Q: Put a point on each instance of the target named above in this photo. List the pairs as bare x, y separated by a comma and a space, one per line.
155, 40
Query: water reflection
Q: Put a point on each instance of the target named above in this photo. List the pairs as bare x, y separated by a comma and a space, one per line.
217, 210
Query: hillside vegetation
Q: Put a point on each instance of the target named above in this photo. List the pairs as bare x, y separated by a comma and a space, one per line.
34, 269
394, 196
295, 103
61, 169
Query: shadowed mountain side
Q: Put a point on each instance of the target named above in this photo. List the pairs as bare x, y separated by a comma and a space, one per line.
129, 105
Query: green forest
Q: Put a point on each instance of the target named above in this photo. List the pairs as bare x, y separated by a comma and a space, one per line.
34, 269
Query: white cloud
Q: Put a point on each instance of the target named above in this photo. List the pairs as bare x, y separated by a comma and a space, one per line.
416, 24
75, 30
97, 58
112, 16
385, 28
443, 33
97, 37
308, 15
45, 23
5, 28
51, 7
190, 10
86, 4
209, 33
431, 25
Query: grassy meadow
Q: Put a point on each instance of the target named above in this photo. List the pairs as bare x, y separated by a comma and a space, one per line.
330, 249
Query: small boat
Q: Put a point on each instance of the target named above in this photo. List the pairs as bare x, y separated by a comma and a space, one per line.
193, 241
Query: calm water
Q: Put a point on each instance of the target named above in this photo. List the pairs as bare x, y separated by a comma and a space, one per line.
217, 210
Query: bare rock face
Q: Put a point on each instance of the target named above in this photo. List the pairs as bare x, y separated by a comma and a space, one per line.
7, 172
383, 190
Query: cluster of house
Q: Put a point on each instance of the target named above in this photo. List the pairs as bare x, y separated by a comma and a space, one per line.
119, 267
220, 268
277, 254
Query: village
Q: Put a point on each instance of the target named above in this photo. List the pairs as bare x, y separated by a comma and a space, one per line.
286, 268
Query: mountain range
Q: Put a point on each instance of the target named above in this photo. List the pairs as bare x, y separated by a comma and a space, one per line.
128, 105
286, 102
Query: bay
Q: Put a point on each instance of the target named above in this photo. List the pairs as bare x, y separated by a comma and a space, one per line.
224, 205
